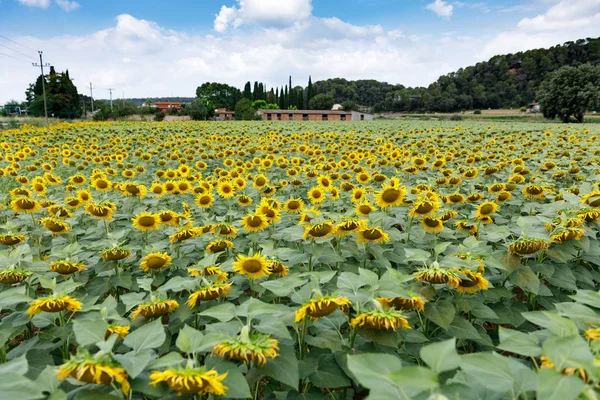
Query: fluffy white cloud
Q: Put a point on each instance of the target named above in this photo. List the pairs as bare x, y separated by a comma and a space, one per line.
263, 12
564, 21
35, 3
67, 5
441, 8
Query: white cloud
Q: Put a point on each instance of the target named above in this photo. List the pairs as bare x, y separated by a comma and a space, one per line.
263, 12
67, 5
441, 8
564, 21
36, 3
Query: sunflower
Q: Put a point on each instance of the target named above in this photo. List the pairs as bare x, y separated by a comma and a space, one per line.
84, 195
191, 381
486, 209
218, 246
272, 214
260, 181
10, 276
401, 303
592, 334
277, 268
465, 226
226, 189
364, 208
119, 330
321, 307
171, 218
318, 230
254, 267
100, 210
66, 267
456, 198
225, 230
566, 234
205, 200
424, 207
209, 271
436, 275
244, 200
527, 247
255, 222
115, 254
155, 261
385, 319
294, 206
448, 215
308, 215
182, 234
25, 205
102, 184
9, 239
592, 199
534, 192
133, 189
349, 226
503, 196
390, 196
316, 195
156, 308
367, 234
358, 195
20, 192
208, 292
157, 188
55, 226
53, 304
433, 225
146, 222
589, 214
473, 283
249, 346
100, 370
59, 211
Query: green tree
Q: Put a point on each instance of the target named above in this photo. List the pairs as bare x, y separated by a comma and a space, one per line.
220, 95
247, 91
349, 105
61, 94
321, 102
198, 110
570, 91
259, 104
244, 110
309, 92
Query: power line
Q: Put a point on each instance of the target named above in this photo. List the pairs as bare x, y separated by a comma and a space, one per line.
18, 52
14, 58
22, 45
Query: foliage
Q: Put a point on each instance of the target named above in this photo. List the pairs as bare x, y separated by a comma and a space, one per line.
570, 91
199, 110
356, 260
220, 95
321, 102
62, 99
244, 110
477, 112
159, 116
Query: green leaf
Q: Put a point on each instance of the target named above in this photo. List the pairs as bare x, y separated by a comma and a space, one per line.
441, 356
417, 377
552, 385
518, 342
134, 363
526, 279
168, 360
89, 332
236, 383
441, 247
149, 336
589, 297
14, 385
461, 328
329, 374
189, 339
283, 286
569, 352
223, 312
18, 366
372, 371
441, 312
416, 255
554, 323
283, 368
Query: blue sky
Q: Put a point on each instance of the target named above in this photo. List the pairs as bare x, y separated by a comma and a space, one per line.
152, 48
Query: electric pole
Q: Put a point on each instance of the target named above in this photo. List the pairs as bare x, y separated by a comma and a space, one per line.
92, 97
42, 65
110, 91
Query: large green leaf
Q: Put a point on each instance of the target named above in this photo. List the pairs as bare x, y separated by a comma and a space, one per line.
283, 368
441, 356
518, 342
441, 312
223, 312
552, 385
89, 332
149, 336
189, 339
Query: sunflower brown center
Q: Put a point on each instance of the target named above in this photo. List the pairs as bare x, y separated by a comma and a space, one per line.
204, 200
294, 205
101, 184
365, 209
424, 208
26, 204
260, 181
390, 195
486, 209
132, 189
432, 222
156, 262
322, 309
254, 221
320, 230
147, 221
534, 190
372, 234
252, 266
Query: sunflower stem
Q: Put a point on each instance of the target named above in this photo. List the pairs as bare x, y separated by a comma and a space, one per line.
410, 221
105, 226
353, 338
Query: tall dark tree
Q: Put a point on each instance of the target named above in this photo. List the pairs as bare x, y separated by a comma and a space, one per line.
61, 94
247, 91
309, 92
220, 95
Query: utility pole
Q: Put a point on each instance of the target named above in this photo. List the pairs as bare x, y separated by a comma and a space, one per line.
92, 97
110, 91
42, 65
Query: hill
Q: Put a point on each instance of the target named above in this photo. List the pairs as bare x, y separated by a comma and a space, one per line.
504, 81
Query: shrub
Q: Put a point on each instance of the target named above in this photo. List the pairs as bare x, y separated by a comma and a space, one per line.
477, 112
159, 116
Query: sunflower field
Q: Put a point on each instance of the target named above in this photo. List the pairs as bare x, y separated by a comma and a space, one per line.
284, 261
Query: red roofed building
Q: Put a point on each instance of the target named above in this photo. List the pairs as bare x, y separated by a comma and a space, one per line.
165, 105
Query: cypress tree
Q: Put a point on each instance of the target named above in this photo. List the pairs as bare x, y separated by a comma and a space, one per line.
247, 91
309, 91
286, 99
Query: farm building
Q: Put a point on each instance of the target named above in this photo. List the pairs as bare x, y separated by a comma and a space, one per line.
314, 115
223, 114
165, 105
